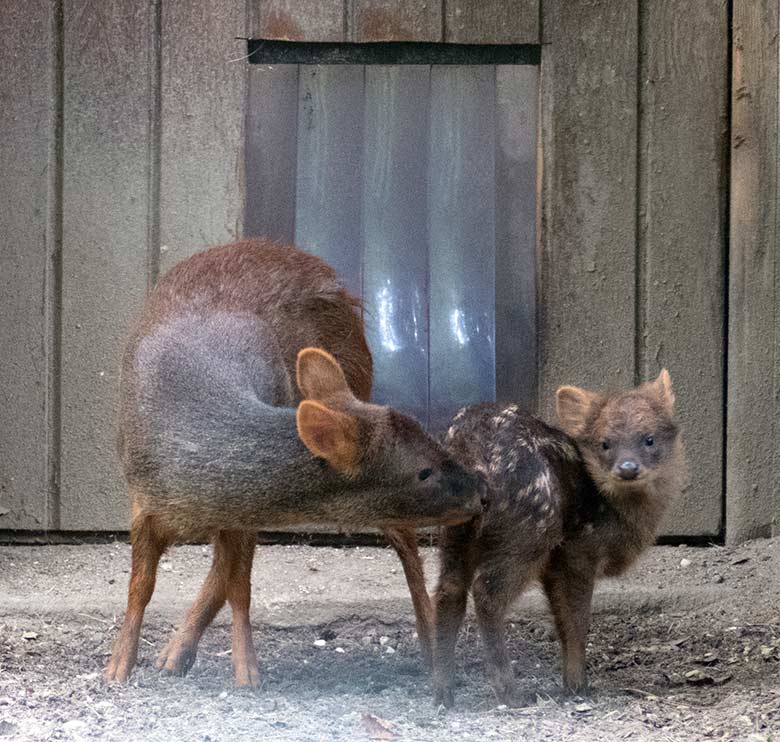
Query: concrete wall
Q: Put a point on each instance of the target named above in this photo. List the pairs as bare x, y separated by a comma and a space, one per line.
122, 152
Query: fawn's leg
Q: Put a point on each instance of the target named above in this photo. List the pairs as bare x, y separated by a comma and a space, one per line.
404, 541
570, 592
455, 575
148, 545
179, 654
494, 590
239, 548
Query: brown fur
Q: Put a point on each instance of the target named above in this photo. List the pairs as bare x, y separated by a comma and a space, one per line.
560, 514
209, 445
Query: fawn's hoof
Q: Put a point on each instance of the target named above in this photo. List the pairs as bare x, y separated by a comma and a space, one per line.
444, 696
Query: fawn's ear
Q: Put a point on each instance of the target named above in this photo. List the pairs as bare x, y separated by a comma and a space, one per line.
663, 385
319, 375
573, 406
329, 434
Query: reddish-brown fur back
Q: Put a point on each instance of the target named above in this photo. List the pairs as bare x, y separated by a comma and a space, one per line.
296, 293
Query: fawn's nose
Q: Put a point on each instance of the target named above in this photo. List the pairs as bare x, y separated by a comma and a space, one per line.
628, 469
483, 491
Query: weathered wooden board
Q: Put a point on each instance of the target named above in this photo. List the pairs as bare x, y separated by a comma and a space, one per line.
587, 256
299, 20
493, 21
105, 220
271, 151
29, 167
682, 234
752, 476
517, 112
203, 96
388, 20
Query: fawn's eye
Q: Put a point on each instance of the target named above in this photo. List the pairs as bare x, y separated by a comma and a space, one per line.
424, 474
605, 445
649, 440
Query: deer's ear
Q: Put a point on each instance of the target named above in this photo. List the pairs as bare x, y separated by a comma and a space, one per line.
663, 386
331, 435
573, 406
319, 375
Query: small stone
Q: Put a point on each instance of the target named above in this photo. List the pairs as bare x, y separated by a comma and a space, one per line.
389, 650
340, 650
166, 567
222, 696
583, 708
718, 579
320, 642
29, 636
383, 640
685, 563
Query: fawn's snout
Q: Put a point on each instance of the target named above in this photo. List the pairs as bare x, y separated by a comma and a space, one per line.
627, 469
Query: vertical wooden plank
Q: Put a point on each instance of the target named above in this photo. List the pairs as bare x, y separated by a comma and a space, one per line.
389, 20
753, 489
517, 104
330, 152
105, 219
202, 148
492, 21
461, 237
395, 245
271, 151
298, 20
29, 62
684, 105
589, 122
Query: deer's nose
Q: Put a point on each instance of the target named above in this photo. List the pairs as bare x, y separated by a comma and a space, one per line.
628, 469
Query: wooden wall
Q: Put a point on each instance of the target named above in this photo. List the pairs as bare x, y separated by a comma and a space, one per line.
753, 455
122, 146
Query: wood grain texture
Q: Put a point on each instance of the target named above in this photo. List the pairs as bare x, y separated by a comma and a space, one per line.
753, 489
298, 20
683, 175
25, 262
493, 21
387, 20
586, 324
203, 106
105, 219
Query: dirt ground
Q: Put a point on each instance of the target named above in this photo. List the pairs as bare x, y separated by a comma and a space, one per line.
685, 648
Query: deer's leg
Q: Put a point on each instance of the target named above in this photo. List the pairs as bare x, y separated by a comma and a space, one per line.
455, 576
179, 654
404, 541
570, 592
239, 548
494, 590
148, 544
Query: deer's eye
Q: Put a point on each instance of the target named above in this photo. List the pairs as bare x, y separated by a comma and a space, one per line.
649, 440
424, 474
605, 445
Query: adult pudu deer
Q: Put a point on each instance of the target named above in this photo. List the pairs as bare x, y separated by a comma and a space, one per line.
213, 447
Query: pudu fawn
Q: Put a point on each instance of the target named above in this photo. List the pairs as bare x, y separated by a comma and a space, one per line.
566, 509
213, 447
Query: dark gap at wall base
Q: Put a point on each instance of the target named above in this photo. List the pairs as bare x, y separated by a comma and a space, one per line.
264, 51
278, 538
